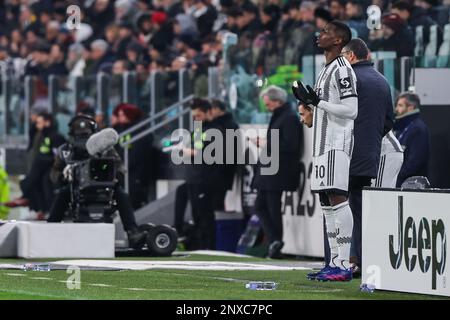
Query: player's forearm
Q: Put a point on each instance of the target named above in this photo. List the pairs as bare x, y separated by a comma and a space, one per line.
347, 109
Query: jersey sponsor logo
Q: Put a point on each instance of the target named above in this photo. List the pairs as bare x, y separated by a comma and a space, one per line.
345, 86
344, 83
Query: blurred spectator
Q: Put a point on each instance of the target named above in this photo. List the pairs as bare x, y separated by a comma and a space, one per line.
270, 16
322, 16
434, 10
15, 43
112, 37
100, 55
126, 11
134, 53
185, 25
56, 58
100, 14
249, 21
76, 60
233, 15
338, 9
354, 10
125, 38
144, 27
301, 39
412, 133
120, 67
6, 64
172, 7
205, 15
266, 45
52, 31
140, 160
395, 36
414, 16
41, 64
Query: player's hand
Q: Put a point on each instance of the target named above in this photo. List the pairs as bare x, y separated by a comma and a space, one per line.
299, 91
306, 96
313, 96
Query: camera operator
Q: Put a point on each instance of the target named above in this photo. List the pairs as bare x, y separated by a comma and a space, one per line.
81, 128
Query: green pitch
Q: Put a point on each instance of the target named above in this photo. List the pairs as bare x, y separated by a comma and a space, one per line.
180, 284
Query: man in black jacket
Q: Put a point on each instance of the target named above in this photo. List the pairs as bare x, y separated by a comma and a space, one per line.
374, 99
223, 121
271, 187
199, 177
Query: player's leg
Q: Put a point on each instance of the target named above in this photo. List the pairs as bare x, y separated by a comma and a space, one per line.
344, 229
330, 223
356, 185
274, 211
337, 174
330, 244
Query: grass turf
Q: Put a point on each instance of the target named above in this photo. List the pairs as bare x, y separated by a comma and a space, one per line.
181, 285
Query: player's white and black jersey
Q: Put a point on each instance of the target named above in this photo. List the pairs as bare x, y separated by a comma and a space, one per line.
336, 82
391, 160
333, 125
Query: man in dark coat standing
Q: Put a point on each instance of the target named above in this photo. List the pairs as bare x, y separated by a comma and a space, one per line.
271, 186
223, 173
374, 99
413, 135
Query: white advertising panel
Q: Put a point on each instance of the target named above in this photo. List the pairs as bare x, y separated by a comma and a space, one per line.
405, 242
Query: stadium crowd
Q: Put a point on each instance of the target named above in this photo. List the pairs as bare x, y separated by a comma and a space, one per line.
116, 36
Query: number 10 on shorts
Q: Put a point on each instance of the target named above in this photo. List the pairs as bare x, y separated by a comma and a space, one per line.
320, 171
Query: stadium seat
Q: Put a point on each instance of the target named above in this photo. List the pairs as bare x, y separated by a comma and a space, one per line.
418, 50
386, 60
431, 48
443, 59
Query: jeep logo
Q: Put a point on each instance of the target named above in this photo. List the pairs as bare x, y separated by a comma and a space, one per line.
419, 239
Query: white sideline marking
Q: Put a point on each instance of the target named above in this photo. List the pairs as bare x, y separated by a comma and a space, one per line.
212, 253
183, 265
41, 278
135, 289
15, 274
322, 291
99, 285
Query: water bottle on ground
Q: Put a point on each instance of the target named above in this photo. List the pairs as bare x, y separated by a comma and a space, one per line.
28, 267
261, 285
367, 287
36, 267
42, 267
